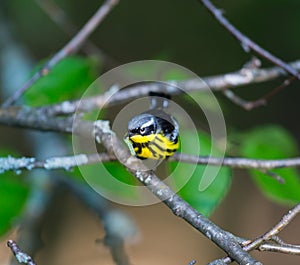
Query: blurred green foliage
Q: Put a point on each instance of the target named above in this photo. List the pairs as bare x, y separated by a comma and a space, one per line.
274, 142
13, 191
67, 80
13, 197
205, 201
110, 179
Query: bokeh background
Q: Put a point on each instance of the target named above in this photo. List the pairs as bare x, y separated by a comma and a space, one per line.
181, 32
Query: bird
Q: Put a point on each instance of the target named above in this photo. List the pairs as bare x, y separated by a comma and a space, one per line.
153, 134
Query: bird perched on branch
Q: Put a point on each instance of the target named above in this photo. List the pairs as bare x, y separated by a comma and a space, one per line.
153, 134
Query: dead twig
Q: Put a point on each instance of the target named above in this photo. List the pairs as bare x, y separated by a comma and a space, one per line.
21, 256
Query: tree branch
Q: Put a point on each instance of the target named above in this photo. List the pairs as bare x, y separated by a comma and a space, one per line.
178, 206
26, 117
247, 43
242, 77
68, 162
71, 47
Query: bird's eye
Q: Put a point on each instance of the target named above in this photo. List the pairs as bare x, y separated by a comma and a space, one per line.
142, 130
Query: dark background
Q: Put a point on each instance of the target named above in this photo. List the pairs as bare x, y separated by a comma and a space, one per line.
181, 32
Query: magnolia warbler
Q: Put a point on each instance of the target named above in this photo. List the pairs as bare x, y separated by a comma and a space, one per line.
153, 134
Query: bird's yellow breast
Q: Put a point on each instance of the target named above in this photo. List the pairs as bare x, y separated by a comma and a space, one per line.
154, 146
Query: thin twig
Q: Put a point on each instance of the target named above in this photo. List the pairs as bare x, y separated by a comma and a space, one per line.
279, 241
283, 85
21, 256
290, 250
247, 105
285, 220
269, 235
68, 162
237, 162
71, 47
273, 175
253, 64
278, 245
247, 43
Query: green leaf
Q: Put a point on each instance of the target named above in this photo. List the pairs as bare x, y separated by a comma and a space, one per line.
111, 180
273, 142
68, 79
117, 170
176, 75
207, 185
12, 199
205, 100
13, 195
159, 71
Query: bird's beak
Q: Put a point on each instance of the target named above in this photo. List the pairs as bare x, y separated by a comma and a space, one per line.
129, 134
